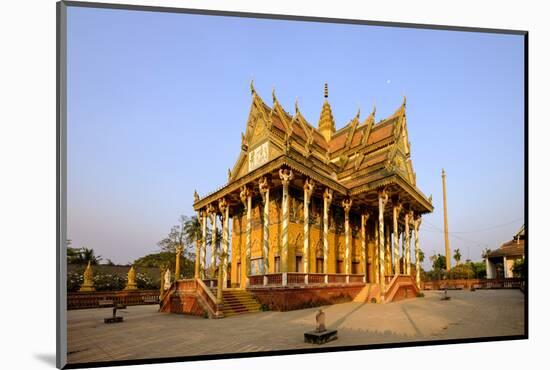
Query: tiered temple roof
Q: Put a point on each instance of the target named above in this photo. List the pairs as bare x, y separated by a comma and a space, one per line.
362, 156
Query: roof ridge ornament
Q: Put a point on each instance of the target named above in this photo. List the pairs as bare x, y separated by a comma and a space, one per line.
326, 90
252, 90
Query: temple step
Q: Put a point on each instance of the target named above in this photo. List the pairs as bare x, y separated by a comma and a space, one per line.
236, 302
363, 294
370, 294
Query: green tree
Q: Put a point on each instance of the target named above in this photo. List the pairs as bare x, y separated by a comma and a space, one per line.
438, 262
88, 255
175, 238
479, 270
519, 269
167, 259
193, 232
421, 255
81, 256
457, 256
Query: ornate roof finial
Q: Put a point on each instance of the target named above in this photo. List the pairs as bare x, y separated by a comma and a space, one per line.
196, 196
296, 106
326, 121
404, 100
358, 112
273, 95
252, 90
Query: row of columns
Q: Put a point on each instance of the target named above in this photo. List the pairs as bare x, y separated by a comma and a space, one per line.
382, 261
382, 253
200, 259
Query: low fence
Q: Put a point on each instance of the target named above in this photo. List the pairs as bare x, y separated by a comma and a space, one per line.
509, 283
80, 300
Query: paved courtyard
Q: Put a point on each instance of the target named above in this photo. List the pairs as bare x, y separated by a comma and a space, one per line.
145, 333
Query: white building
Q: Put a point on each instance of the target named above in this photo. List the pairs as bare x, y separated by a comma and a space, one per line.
501, 261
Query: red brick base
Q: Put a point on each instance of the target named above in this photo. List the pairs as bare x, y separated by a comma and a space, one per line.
185, 304
295, 298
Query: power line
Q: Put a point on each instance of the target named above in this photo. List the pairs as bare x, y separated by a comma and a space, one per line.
458, 237
479, 230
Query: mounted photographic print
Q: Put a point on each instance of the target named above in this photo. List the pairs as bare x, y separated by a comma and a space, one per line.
236, 185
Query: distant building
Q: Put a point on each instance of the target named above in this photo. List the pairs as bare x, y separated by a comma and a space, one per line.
500, 262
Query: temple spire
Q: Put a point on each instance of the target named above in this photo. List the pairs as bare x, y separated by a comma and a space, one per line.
326, 120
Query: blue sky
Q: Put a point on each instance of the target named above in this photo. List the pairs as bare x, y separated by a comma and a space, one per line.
157, 102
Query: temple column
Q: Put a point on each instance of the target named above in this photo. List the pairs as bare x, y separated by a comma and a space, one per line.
203, 246
286, 176
382, 200
179, 249
364, 219
197, 253
246, 199
388, 256
327, 199
376, 253
309, 185
407, 240
211, 210
346, 204
224, 209
264, 192
416, 225
396, 210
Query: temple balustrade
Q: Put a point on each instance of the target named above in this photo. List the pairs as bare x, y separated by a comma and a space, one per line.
283, 279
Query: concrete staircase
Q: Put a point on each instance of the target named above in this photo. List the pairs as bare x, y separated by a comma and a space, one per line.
401, 287
237, 302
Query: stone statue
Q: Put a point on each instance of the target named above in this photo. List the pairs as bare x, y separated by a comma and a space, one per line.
167, 279
196, 196
88, 284
131, 284
320, 318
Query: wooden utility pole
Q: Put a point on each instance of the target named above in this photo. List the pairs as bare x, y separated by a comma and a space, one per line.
447, 247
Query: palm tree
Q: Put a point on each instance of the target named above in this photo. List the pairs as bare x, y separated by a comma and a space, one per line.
192, 231
421, 255
88, 255
457, 256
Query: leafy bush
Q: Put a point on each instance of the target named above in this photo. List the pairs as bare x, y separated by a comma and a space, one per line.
146, 282
519, 269
109, 282
74, 281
